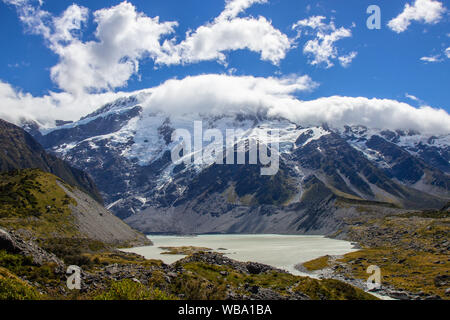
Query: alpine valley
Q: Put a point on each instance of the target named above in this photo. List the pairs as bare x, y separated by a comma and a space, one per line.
325, 174
224, 150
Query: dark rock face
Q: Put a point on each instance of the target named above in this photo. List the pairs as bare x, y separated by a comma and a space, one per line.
19, 150
339, 161
257, 268
405, 167
437, 156
411, 164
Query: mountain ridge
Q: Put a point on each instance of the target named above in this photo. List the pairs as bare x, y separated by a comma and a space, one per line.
20, 150
399, 168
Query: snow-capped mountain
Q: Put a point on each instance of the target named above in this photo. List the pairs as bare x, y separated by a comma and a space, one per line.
323, 172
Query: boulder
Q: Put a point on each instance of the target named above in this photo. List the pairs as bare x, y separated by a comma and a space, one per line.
442, 280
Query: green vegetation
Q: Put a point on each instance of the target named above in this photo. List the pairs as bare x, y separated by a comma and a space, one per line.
130, 290
22, 267
104, 258
20, 150
408, 270
433, 214
13, 288
317, 264
330, 289
218, 277
411, 250
73, 250
32, 200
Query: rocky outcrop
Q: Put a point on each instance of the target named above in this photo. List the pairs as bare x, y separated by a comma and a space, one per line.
13, 243
141, 274
220, 260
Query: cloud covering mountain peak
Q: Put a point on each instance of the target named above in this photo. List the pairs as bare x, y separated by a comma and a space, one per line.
216, 94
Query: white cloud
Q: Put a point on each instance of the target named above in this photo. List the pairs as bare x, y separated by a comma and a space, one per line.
322, 48
347, 60
226, 33
30, 14
234, 7
68, 23
209, 94
438, 57
124, 37
209, 42
410, 96
17, 105
376, 113
432, 59
314, 22
424, 11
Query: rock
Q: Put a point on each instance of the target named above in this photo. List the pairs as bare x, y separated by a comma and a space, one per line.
442, 280
433, 297
400, 295
223, 273
447, 292
112, 269
219, 259
136, 280
253, 289
15, 244
257, 268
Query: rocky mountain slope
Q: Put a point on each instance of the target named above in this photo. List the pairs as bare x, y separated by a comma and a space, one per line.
39, 205
20, 151
325, 173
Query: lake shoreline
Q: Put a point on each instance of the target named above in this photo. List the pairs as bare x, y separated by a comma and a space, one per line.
278, 250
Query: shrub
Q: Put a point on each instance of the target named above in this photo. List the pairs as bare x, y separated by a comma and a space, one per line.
130, 290
13, 288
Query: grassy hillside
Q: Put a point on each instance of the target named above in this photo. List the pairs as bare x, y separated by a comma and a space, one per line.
411, 249
39, 205
31, 200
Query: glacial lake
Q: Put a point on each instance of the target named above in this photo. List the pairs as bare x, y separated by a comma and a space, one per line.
280, 251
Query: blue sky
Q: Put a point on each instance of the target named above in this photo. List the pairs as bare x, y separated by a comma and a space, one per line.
388, 64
